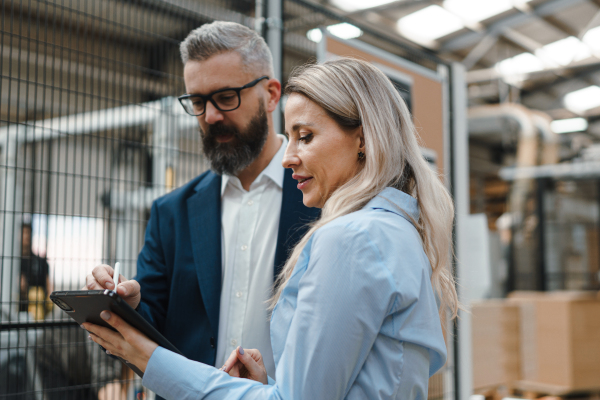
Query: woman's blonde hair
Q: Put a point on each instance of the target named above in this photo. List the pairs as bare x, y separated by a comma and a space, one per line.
355, 93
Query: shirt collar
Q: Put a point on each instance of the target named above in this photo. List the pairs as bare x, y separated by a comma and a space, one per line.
273, 171
398, 202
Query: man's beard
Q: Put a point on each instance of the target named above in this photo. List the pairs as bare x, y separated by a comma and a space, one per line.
233, 156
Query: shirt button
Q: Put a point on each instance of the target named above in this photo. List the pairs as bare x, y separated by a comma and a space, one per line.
250, 202
233, 342
244, 247
238, 294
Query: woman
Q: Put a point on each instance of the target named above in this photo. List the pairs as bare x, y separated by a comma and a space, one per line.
354, 311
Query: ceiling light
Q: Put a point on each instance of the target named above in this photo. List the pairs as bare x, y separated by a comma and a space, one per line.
315, 35
429, 24
569, 125
522, 64
343, 31
477, 10
356, 5
582, 100
592, 38
565, 51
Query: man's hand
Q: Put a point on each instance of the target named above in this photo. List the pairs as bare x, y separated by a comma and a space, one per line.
102, 278
246, 363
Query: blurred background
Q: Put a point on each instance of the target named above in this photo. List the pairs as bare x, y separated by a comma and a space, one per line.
506, 97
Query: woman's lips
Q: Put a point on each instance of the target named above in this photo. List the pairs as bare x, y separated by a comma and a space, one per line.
303, 182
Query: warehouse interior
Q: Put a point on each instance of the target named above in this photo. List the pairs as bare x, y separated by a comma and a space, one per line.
505, 95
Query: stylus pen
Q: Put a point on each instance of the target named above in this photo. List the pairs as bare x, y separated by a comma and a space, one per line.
117, 274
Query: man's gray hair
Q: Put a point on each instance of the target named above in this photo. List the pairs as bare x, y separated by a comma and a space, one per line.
221, 37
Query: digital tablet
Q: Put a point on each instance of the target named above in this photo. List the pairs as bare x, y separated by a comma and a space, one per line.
86, 306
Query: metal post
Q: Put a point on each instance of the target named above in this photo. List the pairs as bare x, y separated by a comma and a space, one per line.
596, 278
540, 273
11, 237
259, 18
275, 42
460, 191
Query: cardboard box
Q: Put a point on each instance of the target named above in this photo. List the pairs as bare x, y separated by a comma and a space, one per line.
560, 340
436, 386
496, 345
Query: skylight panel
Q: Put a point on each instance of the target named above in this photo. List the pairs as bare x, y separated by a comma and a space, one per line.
474, 11
428, 24
569, 125
356, 5
343, 30
582, 100
518, 65
592, 39
566, 51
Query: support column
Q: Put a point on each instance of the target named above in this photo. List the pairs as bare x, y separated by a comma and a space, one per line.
275, 41
460, 192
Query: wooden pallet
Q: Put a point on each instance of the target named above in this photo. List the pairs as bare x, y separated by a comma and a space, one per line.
536, 391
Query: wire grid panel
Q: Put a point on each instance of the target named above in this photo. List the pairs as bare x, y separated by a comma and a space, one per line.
90, 134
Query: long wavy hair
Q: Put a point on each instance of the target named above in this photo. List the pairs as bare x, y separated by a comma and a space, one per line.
355, 93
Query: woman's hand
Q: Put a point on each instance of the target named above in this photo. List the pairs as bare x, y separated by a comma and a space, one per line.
246, 364
128, 343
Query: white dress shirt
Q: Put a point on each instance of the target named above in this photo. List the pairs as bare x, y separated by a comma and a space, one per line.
249, 227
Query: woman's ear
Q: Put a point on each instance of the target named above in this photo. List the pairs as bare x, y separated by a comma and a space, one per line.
361, 137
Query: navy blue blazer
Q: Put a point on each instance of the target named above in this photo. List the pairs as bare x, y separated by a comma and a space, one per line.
179, 267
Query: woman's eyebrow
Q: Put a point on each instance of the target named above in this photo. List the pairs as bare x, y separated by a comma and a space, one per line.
300, 124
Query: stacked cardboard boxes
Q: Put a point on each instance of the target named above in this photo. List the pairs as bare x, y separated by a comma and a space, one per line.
496, 346
553, 337
561, 332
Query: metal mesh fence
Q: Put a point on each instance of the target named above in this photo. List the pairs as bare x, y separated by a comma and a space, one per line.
90, 134
555, 247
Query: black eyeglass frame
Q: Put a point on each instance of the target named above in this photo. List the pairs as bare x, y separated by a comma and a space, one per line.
208, 97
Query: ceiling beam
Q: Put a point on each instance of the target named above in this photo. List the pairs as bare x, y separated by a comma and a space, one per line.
471, 38
311, 20
591, 24
528, 44
395, 6
523, 41
488, 74
586, 74
561, 26
479, 51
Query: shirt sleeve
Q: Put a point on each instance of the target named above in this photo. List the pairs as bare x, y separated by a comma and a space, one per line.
343, 299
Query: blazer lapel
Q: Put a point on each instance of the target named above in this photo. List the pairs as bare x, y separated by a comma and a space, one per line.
204, 210
293, 220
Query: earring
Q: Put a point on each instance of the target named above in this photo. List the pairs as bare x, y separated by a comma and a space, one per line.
361, 155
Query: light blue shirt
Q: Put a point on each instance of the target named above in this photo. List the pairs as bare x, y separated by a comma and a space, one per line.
358, 319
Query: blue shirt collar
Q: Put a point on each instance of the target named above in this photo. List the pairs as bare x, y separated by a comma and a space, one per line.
398, 202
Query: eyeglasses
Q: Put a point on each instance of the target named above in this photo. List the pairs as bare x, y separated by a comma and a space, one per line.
224, 99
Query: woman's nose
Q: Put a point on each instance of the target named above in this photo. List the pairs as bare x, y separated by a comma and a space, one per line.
290, 158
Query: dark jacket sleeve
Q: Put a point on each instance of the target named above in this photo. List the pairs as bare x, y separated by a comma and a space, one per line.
152, 274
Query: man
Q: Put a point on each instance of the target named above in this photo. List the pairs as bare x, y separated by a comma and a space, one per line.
35, 278
213, 247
